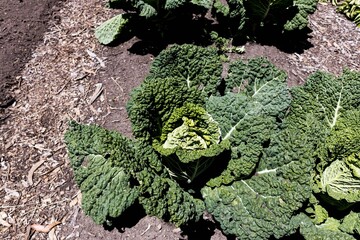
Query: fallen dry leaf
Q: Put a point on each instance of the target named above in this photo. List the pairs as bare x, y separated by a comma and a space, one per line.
44, 229
32, 170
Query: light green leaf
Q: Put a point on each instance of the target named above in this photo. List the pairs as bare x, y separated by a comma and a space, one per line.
110, 30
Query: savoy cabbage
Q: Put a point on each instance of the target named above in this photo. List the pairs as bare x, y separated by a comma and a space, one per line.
241, 18
265, 160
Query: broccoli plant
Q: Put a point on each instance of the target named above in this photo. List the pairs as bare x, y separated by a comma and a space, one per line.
265, 160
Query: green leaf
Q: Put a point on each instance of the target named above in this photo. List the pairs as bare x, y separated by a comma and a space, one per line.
245, 125
203, 3
110, 30
147, 10
300, 20
328, 230
264, 204
259, 10
104, 167
190, 127
152, 104
106, 189
339, 182
262, 82
247, 115
351, 223
189, 142
326, 97
200, 68
174, 4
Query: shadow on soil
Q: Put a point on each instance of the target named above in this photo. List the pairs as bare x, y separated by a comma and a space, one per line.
129, 218
203, 229
153, 39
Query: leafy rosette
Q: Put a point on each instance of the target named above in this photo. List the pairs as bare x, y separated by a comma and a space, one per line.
168, 110
265, 160
331, 105
336, 104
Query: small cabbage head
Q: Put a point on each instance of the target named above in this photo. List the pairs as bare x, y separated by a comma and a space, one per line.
190, 127
190, 140
339, 167
341, 181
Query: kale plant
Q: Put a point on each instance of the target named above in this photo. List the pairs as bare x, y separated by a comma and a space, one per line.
267, 161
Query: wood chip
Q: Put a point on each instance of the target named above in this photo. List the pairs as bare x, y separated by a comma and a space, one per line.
32, 170
98, 90
3, 222
44, 229
94, 56
147, 229
52, 234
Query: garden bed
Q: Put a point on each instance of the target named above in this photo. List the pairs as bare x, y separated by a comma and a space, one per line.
71, 76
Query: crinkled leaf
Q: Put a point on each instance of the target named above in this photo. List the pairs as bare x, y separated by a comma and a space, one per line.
189, 142
83, 140
244, 124
262, 206
300, 20
200, 68
262, 82
328, 230
339, 183
333, 103
190, 127
351, 223
344, 137
203, 3
326, 97
173, 4
104, 167
152, 103
110, 30
259, 10
146, 10
248, 113
165, 199
106, 189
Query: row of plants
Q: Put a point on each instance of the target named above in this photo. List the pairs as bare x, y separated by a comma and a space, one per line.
236, 19
265, 160
351, 9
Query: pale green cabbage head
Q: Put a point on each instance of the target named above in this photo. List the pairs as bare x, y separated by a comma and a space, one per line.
198, 129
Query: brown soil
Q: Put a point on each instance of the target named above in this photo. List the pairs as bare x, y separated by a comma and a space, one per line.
57, 84
22, 25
